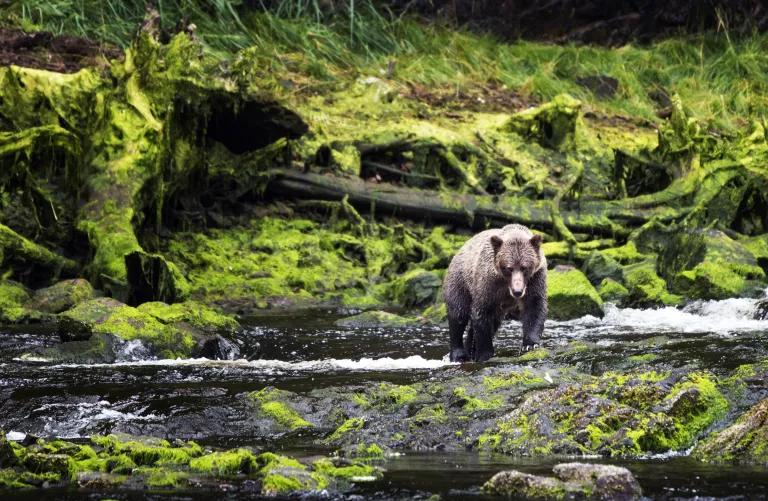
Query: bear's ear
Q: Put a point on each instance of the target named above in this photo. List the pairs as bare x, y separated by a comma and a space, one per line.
496, 242
536, 241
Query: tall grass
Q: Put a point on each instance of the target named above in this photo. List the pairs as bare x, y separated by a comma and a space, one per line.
719, 79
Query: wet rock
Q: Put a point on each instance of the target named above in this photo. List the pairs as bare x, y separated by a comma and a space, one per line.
373, 319
8, 457
571, 295
216, 348
61, 296
602, 86
708, 264
599, 266
416, 289
571, 481
746, 440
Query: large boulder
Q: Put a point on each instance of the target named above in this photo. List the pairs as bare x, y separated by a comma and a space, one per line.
571, 295
646, 288
571, 481
61, 296
708, 264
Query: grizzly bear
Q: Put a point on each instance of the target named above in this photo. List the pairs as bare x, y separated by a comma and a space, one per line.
495, 273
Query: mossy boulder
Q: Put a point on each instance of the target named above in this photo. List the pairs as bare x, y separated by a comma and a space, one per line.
571, 295
646, 288
369, 319
708, 264
746, 440
570, 481
61, 296
14, 298
599, 266
169, 331
612, 291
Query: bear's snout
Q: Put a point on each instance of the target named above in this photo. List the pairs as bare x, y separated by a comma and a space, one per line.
517, 285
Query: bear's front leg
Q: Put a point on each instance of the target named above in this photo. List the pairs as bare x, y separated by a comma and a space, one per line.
534, 310
483, 323
456, 325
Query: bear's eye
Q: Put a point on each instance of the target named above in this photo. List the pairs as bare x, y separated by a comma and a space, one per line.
507, 270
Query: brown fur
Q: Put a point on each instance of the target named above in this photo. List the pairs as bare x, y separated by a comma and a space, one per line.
478, 289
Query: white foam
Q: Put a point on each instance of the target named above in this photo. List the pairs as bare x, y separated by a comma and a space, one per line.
363, 364
15, 436
68, 419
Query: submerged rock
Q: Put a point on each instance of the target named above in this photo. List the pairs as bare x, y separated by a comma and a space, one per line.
61, 296
369, 319
571, 295
571, 481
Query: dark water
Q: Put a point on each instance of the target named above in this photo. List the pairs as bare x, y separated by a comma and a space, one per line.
205, 400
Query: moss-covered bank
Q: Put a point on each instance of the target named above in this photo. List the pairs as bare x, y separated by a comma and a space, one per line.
134, 463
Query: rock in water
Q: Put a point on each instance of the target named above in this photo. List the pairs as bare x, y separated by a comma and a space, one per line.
216, 348
746, 440
571, 481
761, 311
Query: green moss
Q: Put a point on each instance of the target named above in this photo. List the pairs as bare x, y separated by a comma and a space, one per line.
395, 395
12, 298
228, 463
352, 424
644, 358
711, 280
616, 414
369, 451
524, 378
471, 403
348, 472
278, 411
191, 312
532, 355
626, 254
612, 291
571, 295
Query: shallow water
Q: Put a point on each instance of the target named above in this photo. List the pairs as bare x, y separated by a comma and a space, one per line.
205, 400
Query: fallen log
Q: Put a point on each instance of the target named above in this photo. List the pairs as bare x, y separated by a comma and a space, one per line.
474, 211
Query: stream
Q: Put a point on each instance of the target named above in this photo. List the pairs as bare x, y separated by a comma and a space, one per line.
204, 400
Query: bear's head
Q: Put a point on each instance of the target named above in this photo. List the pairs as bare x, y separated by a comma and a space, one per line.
516, 259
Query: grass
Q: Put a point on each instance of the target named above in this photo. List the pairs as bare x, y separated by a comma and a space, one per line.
721, 80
